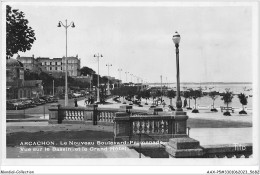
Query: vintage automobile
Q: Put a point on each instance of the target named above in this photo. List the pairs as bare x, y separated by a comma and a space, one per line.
17, 104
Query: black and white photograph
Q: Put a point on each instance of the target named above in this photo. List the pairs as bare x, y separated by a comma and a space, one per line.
130, 84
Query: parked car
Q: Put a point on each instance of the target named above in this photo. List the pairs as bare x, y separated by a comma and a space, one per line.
18, 104
37, 101
30, 103
9, 105
53, 99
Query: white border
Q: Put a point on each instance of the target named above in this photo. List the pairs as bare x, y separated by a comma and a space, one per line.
129, 161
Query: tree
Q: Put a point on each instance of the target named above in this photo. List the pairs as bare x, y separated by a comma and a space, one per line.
196, 94
243, 100
30, 75
146, 95
227, 98
19, 36
87, 71
187, 94
213, 95
171, 94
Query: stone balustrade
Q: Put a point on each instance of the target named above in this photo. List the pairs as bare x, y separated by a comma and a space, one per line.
131, 125
163, 126
90, 113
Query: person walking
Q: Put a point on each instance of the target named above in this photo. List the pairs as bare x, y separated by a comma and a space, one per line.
86, 101
76, 102
185, 103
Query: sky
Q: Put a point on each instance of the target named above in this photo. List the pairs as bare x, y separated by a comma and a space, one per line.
215, 46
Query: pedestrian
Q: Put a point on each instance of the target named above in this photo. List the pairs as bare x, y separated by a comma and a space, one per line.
185, 103
92, 100
76, 102
86, 101
89, 100
163, 103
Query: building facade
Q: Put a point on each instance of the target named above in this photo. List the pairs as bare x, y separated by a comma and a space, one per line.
16, 86
55, 66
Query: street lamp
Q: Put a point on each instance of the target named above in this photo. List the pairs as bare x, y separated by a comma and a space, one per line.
98, 56
131, 77
66, 26
176, 40
108, 90
161, 87
120, 70
126, 76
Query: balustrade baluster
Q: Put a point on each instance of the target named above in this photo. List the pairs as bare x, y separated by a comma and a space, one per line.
135, 127
162, 126
69, 115
82, 115
151, 126
166, 126
106, 118
146, 126
156, 123
138, 126
66, 115
142, 127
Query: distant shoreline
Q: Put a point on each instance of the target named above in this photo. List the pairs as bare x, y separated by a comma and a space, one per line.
208, 83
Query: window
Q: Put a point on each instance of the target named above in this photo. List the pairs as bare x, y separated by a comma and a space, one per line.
45, 63
56, 68
50, 63
60, 68
50, 68
56, 63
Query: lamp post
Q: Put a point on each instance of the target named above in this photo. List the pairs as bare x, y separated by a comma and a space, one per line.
52, 84
108, 90
66, 26
53, 87
98, 56
126, 76
176, 40
120, 70
161, 87
91, 76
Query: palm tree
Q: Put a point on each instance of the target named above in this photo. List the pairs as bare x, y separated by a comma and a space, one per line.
171, 94
243, 100
187, 95
227, 97
213, 95
196, 94
146, 95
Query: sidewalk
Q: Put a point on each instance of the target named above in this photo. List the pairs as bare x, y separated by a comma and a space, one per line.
35, 118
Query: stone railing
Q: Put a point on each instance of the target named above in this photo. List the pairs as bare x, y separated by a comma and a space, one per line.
156, 127
90, 113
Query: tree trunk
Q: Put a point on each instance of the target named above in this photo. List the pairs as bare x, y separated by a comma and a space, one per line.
195, 104
189, 102
171, 101
243, 107
213, 104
